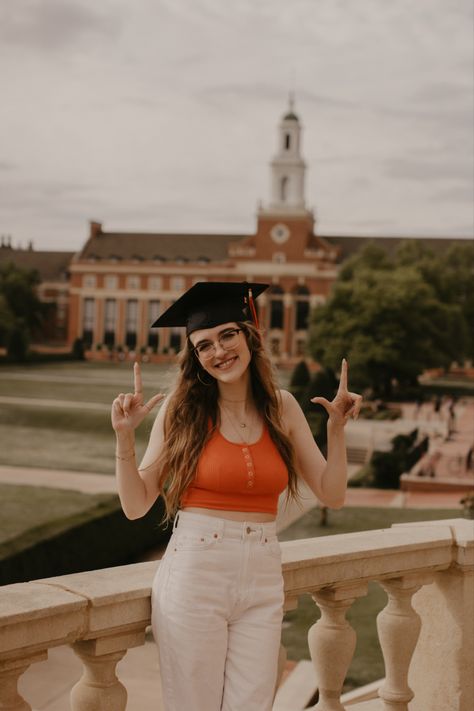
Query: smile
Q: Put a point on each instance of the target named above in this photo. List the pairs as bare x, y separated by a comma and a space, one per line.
226, 364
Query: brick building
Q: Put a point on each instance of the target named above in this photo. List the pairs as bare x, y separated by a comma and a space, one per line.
116, 285
121, 281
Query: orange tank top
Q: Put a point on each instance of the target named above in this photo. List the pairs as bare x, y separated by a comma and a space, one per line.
238, 477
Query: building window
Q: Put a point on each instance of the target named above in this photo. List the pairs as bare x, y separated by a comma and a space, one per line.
131, 323
109, 322
133, 281
153, 334
284, 188
279, 257
177, 283
88, 322
276, 307
111, 281
155, 283
302, 295
287, 141
89, 281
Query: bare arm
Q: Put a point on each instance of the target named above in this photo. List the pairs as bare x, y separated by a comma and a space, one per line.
137, 488
326, 479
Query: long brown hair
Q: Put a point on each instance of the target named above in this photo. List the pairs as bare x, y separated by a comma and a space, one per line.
195, 400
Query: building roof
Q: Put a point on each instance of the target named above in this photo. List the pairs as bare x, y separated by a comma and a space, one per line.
52, 266
151, 245
290, 116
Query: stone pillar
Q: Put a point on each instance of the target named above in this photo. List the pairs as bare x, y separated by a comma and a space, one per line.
99, 688
399, 627
10, 672
332, 643
441, 672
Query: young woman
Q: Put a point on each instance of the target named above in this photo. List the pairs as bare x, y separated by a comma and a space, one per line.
225, 443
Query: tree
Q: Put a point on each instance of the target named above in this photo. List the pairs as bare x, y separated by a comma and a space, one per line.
451, 276
388, 320
20, 308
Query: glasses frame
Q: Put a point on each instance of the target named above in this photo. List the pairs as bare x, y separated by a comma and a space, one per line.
213, 344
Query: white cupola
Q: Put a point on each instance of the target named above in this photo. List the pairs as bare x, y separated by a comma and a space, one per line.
288, 167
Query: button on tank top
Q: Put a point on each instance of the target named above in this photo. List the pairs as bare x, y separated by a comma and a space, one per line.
238, 477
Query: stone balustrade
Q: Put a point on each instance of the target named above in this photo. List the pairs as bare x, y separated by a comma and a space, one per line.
425, 630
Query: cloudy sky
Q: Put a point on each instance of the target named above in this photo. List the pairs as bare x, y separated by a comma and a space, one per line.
162, 114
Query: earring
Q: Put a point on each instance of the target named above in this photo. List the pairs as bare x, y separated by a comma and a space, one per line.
202, 381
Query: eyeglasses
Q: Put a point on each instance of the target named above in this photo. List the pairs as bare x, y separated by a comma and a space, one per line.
227, 340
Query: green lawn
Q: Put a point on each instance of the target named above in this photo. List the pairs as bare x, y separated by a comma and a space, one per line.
69, 436
29, 513
66, 435
367, 664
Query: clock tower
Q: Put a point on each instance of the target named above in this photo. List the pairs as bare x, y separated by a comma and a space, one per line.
288, 167
285, 227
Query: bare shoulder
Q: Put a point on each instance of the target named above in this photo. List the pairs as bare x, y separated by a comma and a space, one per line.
287, 399
289, 408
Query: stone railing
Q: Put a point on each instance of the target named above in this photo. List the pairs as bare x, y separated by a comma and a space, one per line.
428, 646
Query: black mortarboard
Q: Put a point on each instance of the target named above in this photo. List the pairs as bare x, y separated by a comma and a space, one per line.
210, 303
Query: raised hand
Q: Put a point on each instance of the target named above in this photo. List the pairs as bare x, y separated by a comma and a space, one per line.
128, 410
345, 404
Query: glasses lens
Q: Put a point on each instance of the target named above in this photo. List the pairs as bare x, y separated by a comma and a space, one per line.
229, 339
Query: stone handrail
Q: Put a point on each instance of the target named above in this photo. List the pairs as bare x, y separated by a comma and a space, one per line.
103, 613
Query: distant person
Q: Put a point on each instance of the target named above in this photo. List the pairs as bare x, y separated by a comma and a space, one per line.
224, 445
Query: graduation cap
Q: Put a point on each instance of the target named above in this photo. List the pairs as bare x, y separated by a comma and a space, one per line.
210, 303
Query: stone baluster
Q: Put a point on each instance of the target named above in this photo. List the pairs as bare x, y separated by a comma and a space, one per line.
10, 672
332, 642
99, 688
399, 627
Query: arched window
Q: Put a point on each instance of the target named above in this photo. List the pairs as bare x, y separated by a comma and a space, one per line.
287, 141
109, 322
131, 323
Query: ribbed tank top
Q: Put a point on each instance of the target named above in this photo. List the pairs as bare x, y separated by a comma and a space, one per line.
238, 477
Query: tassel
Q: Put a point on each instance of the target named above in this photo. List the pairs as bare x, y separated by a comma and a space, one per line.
253, 310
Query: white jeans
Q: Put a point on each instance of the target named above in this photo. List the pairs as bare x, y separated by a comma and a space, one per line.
217, 607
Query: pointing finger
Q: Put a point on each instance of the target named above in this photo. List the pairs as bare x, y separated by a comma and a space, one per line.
343, 378
137, 379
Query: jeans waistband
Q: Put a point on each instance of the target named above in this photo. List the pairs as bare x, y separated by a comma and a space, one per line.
224, 527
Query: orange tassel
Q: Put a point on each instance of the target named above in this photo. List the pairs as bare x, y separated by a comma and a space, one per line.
253, 310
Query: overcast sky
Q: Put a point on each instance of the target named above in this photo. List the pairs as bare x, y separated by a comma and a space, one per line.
162, 114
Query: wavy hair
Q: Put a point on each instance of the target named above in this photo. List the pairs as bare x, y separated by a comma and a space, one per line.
194, 401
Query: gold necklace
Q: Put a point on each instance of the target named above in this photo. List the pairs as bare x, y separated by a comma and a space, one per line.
243, 425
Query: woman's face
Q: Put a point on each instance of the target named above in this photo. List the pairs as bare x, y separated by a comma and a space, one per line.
222, 351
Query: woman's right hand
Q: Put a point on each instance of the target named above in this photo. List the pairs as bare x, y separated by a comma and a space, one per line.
128, 410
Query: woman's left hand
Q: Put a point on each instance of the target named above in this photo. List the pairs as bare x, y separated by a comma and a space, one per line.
345, 404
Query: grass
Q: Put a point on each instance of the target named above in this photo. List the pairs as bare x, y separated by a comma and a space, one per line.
29, 512
68, 436
367, 664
